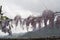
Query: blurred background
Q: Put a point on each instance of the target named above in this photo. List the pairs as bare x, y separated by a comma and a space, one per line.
11, 8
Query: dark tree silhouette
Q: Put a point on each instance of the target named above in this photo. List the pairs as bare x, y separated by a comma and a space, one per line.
48, 15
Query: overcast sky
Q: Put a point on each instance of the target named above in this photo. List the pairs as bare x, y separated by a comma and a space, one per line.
23, 7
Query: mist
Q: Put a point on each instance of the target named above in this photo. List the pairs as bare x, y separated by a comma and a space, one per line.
25, 8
